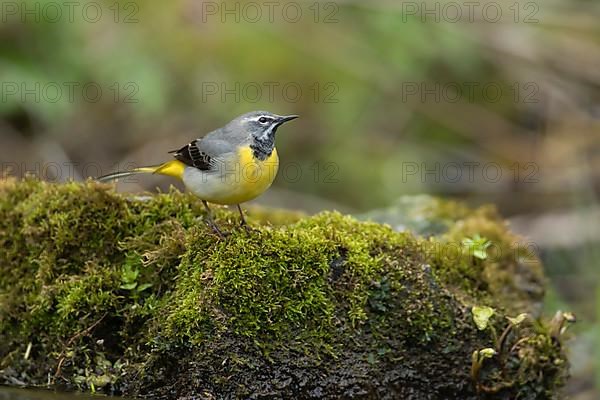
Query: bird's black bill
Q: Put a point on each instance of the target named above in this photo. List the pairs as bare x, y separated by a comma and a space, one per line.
287, 118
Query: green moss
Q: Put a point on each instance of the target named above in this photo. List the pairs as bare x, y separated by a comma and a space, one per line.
105, 288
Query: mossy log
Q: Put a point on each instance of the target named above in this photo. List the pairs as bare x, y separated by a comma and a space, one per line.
136, 296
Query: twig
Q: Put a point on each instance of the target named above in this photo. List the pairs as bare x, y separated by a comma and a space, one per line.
70, 342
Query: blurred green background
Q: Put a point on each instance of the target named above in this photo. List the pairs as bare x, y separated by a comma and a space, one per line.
492, 101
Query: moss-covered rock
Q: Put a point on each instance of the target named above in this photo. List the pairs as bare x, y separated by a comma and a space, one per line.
136, 296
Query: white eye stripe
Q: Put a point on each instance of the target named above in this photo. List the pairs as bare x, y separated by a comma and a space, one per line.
267, 117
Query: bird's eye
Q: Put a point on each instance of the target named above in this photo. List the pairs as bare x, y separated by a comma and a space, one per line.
263, 120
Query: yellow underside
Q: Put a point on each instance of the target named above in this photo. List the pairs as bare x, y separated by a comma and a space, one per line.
251, 179
244, 181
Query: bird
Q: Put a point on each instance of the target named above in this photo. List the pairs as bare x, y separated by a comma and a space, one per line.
228, 166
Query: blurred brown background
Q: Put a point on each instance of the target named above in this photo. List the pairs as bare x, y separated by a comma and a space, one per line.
492, 101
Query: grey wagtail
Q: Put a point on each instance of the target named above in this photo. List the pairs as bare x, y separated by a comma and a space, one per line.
230, 165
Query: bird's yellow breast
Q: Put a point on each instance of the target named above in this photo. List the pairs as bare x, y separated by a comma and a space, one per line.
255, 176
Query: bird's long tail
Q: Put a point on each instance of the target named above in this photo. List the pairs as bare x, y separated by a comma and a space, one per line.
172, 168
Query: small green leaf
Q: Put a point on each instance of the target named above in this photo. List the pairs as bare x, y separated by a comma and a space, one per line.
143, 287
487, 353
479, 253
477, 246
129, 275
481, 316
129, 286
518, 319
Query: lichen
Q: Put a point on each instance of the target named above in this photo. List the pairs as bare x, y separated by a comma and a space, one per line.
137, 296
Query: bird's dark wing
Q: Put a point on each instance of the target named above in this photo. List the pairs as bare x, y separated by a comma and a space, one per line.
191, 155
204, 153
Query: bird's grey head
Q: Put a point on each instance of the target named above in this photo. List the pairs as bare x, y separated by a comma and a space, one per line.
260, 126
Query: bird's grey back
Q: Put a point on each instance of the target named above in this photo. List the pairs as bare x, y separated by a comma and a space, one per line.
223, 140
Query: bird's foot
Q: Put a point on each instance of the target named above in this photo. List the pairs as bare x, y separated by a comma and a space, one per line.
248, 228
216, 229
